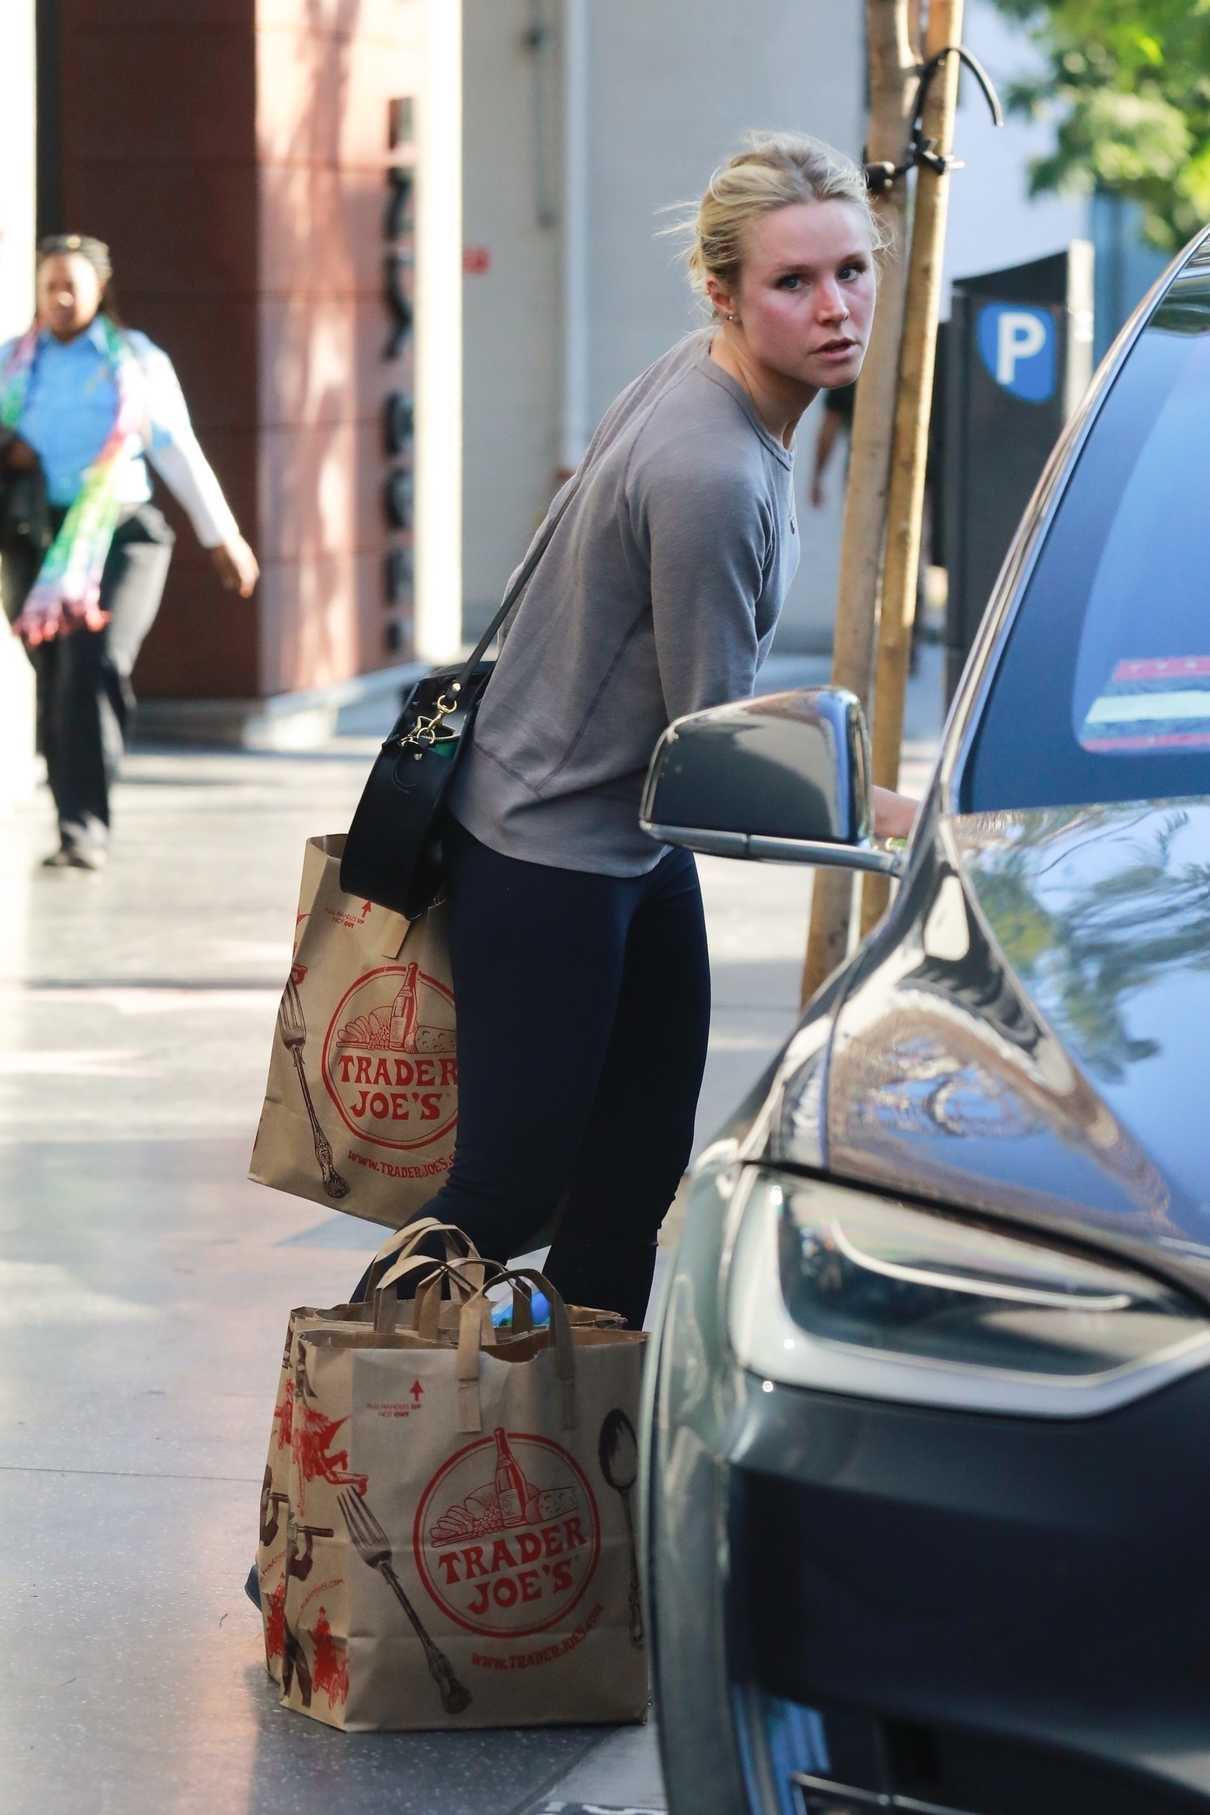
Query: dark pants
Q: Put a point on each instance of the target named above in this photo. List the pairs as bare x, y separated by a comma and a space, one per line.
583, 1018
85, 697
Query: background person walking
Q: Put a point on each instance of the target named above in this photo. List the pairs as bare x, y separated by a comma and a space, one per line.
84, 403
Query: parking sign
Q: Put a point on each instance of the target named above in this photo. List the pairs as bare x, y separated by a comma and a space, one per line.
1018, 359
1019, 348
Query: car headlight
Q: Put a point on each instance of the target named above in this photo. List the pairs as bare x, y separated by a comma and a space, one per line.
850, 1292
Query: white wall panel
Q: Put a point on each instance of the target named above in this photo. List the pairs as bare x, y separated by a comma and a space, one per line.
668, 88
674, 88
512, 311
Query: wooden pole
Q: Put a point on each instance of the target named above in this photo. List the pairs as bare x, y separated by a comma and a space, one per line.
892, 86
909, 451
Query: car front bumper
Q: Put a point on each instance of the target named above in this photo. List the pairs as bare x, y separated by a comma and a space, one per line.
926, 1610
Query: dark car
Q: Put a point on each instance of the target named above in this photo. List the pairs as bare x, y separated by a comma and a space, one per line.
927, 1472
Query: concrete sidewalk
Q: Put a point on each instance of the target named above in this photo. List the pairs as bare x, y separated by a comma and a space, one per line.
145, 1285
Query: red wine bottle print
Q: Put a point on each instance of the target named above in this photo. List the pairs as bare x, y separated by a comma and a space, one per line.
405, 1013
511, 1485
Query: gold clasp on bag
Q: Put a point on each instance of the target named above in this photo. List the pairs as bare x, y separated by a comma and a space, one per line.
427, 730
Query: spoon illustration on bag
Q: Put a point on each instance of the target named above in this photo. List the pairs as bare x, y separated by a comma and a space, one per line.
618, 1450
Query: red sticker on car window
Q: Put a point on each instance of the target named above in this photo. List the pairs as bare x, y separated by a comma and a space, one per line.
1152, 703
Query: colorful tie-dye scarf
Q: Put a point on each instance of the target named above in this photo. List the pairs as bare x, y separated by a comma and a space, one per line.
67, 591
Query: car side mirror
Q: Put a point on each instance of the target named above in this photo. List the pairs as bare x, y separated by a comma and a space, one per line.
784, 778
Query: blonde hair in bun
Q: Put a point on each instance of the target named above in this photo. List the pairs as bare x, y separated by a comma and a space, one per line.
774, 170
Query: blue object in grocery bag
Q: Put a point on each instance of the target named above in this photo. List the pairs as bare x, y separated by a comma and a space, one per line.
539, 1305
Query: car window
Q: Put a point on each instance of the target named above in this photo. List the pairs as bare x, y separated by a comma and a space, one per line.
1103, 689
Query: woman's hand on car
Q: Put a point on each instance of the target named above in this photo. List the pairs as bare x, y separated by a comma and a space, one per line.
894, 814
236, 566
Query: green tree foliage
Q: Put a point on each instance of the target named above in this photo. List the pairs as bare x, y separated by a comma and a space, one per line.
1128, 82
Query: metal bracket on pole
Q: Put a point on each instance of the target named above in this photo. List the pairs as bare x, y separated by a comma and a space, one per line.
922, 152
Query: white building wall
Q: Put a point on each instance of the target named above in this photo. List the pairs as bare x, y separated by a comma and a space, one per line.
512, 311
993, 222
439, 336
669, 88
674, 88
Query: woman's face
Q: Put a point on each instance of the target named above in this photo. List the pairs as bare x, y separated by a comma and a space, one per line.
69, 294
806, 294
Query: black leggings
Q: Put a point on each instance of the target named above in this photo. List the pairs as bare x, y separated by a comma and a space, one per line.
85, 697
583, 1018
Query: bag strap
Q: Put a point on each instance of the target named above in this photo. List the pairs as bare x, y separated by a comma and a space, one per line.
470, 1345
402, 1242
465, 1277
411, 1262
388, 1308
445, 705
519, 584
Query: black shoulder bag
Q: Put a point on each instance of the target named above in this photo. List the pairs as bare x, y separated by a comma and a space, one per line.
392, 854
24, 508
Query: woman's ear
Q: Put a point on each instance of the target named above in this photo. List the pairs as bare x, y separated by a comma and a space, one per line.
721, 300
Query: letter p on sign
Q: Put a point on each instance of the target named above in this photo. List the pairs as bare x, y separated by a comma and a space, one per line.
1018, 347
1018, 336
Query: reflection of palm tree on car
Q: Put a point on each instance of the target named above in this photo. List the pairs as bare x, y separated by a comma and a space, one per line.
960, 1071
1109, 939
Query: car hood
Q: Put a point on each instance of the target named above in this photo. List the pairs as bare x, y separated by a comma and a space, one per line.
1027, 1034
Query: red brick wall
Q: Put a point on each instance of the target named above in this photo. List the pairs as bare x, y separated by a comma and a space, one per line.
234, 154
327, 71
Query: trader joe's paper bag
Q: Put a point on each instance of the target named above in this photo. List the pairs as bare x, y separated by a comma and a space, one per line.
462, 1537
361, 1105
274, 1527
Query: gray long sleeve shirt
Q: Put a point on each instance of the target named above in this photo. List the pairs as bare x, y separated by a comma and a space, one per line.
658, 595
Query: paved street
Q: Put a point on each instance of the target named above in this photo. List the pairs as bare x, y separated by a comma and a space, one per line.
145, 1286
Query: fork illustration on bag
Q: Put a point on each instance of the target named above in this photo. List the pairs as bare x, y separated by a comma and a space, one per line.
293, 1028
374, 1548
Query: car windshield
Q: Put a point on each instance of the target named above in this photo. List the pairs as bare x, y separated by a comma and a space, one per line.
1103, 689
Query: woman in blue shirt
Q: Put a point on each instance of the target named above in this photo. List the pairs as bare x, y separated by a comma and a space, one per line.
84, 404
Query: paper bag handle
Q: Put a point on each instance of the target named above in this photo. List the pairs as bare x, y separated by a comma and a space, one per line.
394, 934
384, 1302
460, 1273
470, 1348
329, 848
468, 1275
402, 1242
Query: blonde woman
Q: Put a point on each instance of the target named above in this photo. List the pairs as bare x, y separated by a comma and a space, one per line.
579, 946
